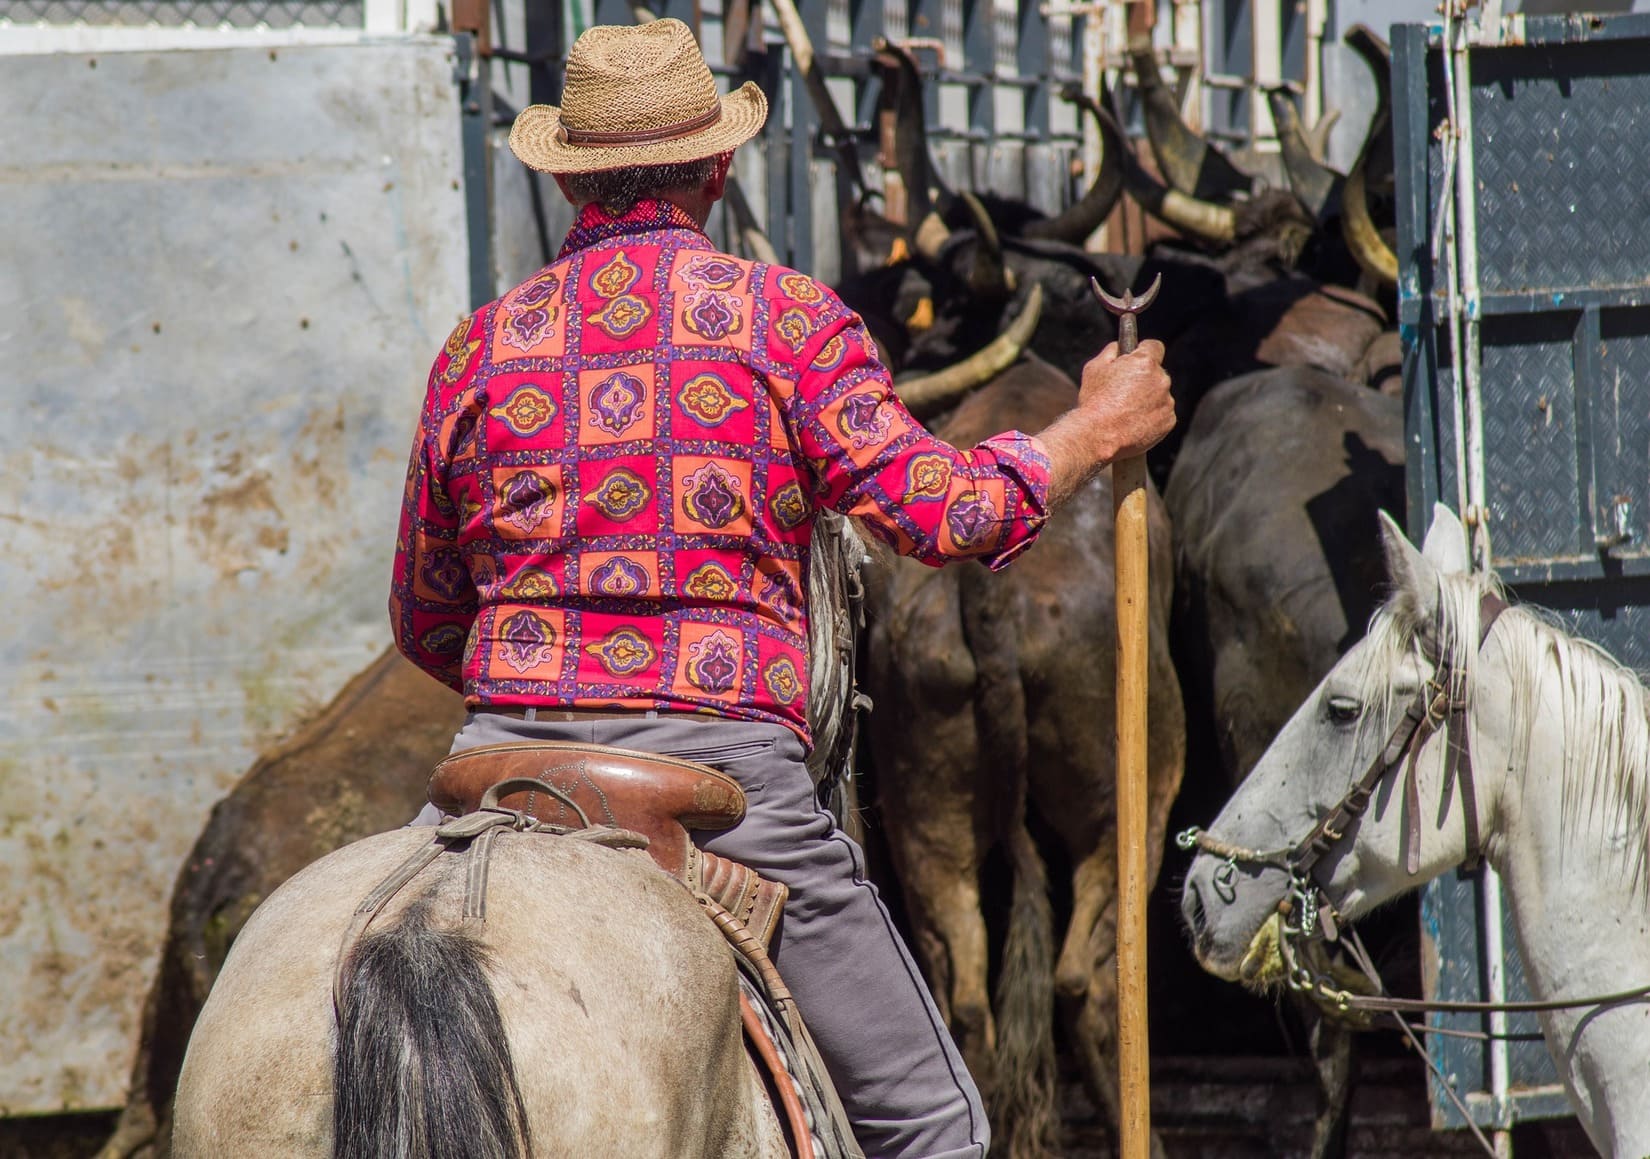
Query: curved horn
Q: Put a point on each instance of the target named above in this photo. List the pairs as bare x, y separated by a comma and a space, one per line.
1378, 56
1202, 219
987, 276
927, 393
1083, 218
911, 158
1368, 247
1317, 140
1191, 164
1316, 186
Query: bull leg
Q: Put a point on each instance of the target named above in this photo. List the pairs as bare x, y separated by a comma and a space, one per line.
1093, 892
1086, 976
944, 899
1095, 1036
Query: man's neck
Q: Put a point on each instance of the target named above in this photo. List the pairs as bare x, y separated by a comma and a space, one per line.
696, 205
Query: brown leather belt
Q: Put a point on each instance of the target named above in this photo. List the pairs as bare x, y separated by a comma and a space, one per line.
574, 715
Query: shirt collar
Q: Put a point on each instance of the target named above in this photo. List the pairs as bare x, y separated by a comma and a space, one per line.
595, 224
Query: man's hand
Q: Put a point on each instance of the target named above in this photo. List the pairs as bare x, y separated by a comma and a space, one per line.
1123, 409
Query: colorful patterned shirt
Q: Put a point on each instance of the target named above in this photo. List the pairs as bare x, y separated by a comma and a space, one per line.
614, 484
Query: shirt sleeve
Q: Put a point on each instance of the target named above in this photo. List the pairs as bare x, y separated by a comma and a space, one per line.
870, 459
433, 601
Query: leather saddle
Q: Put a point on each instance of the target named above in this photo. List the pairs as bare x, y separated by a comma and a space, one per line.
662, 798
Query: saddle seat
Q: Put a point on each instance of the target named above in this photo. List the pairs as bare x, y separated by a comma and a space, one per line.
662, 798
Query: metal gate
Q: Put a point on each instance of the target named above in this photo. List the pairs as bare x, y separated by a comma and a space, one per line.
992, 69
1539, 429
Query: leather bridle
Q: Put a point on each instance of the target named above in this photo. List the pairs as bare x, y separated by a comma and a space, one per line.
1440, 704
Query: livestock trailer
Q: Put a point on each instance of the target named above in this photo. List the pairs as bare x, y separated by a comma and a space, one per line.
1524, 302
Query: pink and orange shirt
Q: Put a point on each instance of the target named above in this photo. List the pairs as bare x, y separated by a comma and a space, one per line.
615, 479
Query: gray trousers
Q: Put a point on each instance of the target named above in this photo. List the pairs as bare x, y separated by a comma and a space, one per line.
898, 1072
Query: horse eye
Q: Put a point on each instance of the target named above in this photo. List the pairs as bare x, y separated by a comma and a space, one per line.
1344, 709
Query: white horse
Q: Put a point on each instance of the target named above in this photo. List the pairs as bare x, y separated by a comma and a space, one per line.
594, 1012
1559, 789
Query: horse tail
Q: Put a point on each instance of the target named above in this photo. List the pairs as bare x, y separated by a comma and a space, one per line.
1025, 1006
1023, 1081
422, 1069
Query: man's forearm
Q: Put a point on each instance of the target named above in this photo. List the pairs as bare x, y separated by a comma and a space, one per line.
1080, 444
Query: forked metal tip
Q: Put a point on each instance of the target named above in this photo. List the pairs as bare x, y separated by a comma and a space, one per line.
1128, 303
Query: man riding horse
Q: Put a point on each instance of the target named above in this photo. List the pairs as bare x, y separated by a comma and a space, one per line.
609, 509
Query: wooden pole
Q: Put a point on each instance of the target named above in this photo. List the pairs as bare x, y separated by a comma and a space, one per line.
1128, 488
1128, 482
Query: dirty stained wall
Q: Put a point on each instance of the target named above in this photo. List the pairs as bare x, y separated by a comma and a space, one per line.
223, 275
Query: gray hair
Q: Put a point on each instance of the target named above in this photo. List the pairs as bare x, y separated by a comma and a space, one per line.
618, 190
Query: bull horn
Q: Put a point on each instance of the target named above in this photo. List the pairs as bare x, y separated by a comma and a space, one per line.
1079, 220
1317, 140
911, 158
930, 235
1216, 223
1201, 219
987, 277
1369, 248
928, 393
1190, 164
1315, 186
1378, 56
750, 233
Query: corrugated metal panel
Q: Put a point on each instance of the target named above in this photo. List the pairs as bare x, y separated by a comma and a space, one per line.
226, 275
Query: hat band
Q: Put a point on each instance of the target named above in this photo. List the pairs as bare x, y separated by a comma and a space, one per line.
644, 136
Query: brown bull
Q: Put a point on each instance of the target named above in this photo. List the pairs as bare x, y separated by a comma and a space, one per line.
357, 768
993, 719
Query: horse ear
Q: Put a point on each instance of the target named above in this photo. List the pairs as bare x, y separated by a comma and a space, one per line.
1414, 578
1446, 543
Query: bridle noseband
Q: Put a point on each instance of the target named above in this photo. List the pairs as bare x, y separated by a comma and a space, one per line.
1440, 704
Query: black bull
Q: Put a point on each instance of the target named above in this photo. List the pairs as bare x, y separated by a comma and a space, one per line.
993, 719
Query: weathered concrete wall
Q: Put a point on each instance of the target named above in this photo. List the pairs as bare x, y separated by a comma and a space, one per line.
223, 275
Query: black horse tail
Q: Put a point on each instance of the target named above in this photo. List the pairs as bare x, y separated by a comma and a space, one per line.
422, 1069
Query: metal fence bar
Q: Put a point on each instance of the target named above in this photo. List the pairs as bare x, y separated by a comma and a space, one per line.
996, 56
475, 95
1032, 58
980, 61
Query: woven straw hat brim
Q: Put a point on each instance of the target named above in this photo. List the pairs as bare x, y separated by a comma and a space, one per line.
536, 138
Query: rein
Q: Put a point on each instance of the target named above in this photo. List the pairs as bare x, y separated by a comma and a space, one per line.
1439, 705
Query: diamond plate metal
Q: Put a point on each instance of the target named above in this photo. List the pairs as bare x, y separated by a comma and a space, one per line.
1530, 436
1561, 131
1563, 185
187, 13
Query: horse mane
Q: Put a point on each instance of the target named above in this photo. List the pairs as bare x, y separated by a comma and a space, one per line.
1605, 708
833, 577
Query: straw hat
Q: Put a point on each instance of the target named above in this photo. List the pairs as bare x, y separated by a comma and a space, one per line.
636, 95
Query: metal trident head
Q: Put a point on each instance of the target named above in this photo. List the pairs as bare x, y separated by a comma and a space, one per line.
1126, 308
